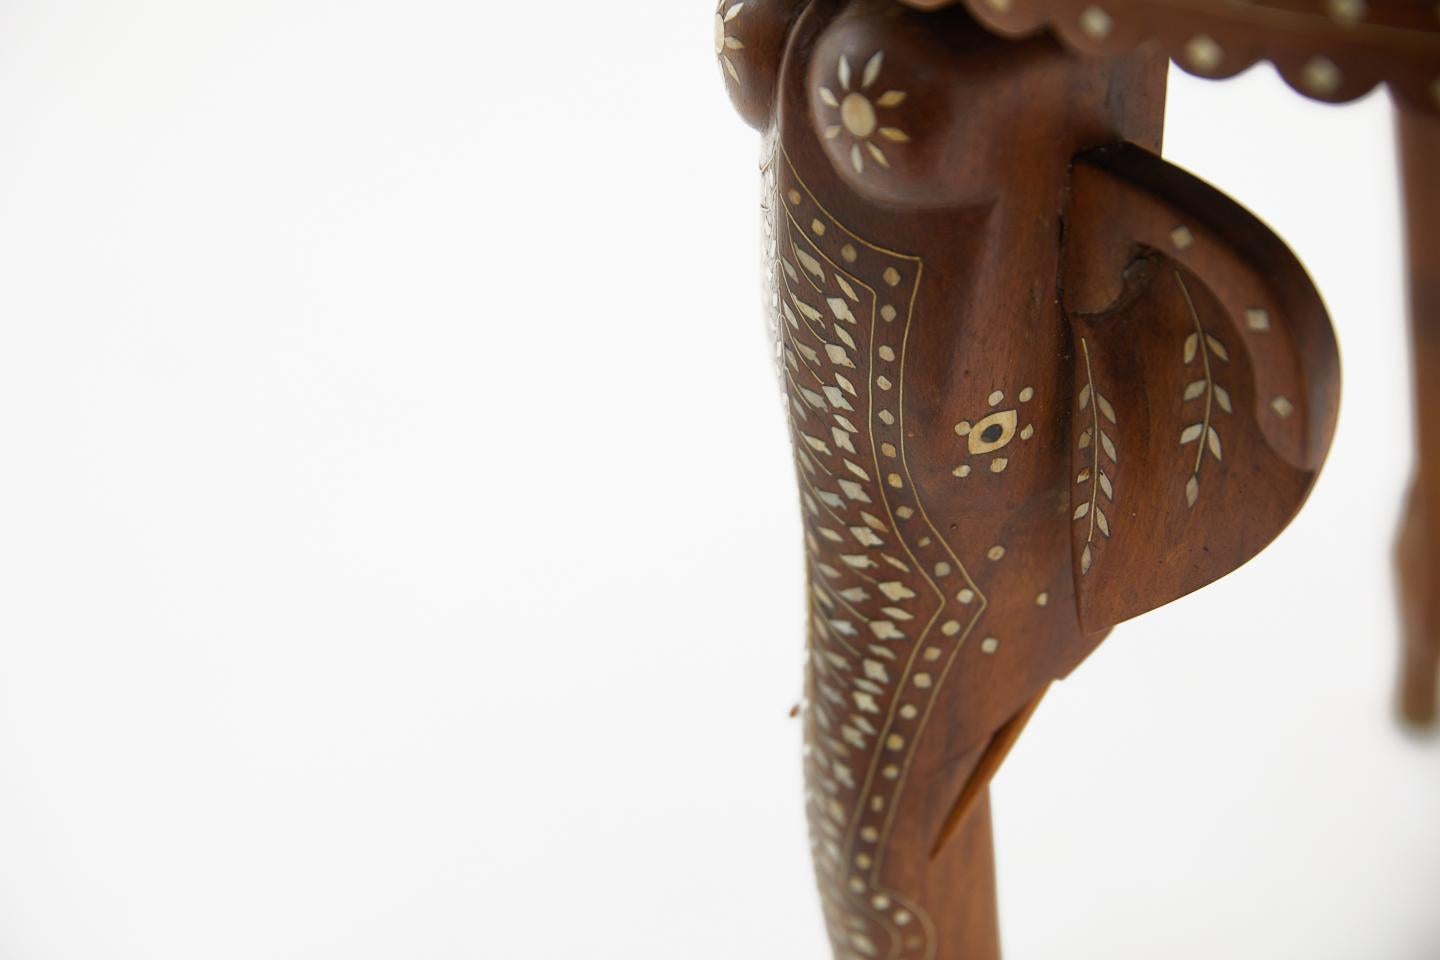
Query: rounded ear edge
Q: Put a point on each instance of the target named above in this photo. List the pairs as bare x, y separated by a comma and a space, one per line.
1219, 375
1250, 246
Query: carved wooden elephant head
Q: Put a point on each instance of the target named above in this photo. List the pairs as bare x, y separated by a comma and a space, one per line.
1039, 380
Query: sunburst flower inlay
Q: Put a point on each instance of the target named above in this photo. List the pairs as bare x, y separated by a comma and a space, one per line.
857, 112
725, 44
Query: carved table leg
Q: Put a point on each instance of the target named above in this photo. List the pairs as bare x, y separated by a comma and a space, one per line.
1418, 550
1038, 381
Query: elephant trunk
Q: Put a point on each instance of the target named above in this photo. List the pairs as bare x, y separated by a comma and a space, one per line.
904, 897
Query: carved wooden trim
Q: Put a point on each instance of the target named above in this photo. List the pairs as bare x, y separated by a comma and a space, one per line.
1331, 51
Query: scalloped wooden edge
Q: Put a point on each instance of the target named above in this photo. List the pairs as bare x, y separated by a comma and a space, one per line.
1342, 60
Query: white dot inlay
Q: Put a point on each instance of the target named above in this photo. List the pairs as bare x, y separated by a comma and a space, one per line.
1321, 76
1096, 23
1257, 319
1181, 237
857, 113
1348, 11
989, 645
1203, 53
996, 397
996, 552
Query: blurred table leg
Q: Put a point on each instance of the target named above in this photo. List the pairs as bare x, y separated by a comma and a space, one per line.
1418, 551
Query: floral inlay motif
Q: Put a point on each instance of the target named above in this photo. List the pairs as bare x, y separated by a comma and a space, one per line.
724, 42
857, 112
993, 432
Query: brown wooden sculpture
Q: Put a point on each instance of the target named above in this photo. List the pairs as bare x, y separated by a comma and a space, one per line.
1333, 51
1039, 382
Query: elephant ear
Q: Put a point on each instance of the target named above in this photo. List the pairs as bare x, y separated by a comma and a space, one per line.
1206, 383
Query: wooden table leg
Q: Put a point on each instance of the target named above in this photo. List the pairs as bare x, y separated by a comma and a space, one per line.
1418, 550
1039, 382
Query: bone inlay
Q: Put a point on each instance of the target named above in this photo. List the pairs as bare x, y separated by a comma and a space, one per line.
891, 605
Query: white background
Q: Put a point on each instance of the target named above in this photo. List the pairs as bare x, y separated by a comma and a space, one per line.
398, 549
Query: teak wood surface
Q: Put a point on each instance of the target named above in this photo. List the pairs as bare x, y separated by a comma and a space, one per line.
1039, 381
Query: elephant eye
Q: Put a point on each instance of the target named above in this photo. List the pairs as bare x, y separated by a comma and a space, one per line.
992, 433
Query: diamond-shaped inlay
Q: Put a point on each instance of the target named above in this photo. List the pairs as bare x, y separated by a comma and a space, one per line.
1257, 319
1282, 406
